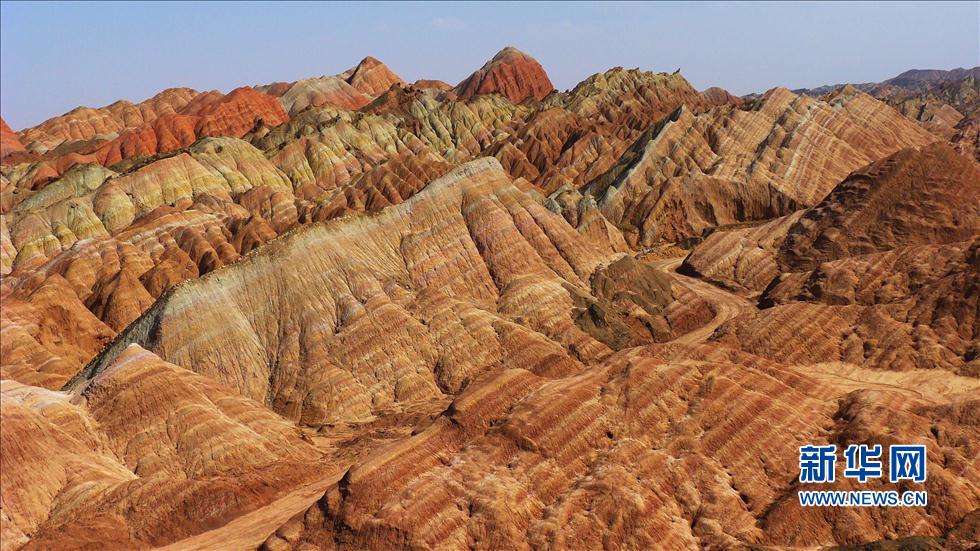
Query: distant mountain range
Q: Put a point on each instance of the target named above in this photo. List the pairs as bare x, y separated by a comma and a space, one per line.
918, 79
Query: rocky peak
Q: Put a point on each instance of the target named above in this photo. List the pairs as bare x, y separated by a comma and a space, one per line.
512, 74
373, 77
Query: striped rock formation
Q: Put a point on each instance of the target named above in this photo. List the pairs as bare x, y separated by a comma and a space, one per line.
353, 313
206, 115
175, 216
512, 74
99, 247
947, 108
885, 266
468, 275
9, 141
80, 467
373, 78
673, 447
473, 294
947, 103
181, 214
350, 90
85, 123
676, 446
738, 163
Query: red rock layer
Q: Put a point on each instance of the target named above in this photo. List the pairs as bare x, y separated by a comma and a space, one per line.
720, 96
436, 84
210, 114
373, 78
512, 74
9, 142
85, 123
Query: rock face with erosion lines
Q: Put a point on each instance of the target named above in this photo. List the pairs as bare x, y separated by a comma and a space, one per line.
81, 466
347, 312
512, 74
885, 266
467, 276
9, 141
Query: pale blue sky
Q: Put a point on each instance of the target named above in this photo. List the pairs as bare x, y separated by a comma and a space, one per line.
54, 57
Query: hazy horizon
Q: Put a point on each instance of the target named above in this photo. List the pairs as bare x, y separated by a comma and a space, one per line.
131, 52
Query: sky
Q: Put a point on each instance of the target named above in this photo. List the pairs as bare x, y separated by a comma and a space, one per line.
57, 56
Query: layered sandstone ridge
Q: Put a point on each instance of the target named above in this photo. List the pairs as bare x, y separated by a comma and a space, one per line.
350, 90
512, 74
947, 103
80, 467
655, 447
885, 264
9, 141
659, 446
210, 114
595, 152
84, 123
734, 164
416, 302
373, 77
118, 238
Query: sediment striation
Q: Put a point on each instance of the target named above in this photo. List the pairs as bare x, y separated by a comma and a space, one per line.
885, 266
349, 312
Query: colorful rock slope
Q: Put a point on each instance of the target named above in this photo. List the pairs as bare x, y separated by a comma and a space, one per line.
512, 74
885, 266
353, 313
9, 141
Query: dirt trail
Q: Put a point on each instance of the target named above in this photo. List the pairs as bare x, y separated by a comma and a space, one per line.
727, 305
249, 531
929, 386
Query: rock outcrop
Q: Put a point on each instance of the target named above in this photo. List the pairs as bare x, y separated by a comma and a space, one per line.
656, 447
315, 92
735, 164
178, 206
79, 467
512, 74
373, 78
85, 123
9, 141
467, 275
433, 84
947, 103
885, 266
209, 114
